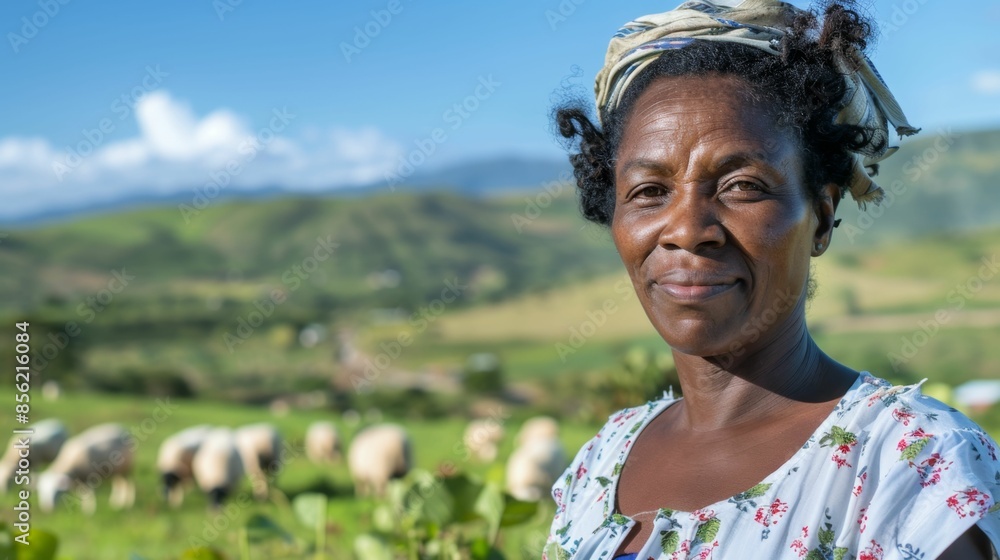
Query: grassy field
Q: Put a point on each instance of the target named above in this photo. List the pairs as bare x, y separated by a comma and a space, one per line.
153, 531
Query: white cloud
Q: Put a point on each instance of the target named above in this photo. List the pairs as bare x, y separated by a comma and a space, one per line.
176, 151
987, 81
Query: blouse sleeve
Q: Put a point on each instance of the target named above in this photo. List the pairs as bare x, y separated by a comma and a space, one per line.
564, 493
931, 496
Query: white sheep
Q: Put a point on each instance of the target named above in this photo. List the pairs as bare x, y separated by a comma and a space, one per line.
42, 448
174, 460
259, 446
323, 442
482, 438
534, 467
378, 454
539, 428
217, 466
85, 462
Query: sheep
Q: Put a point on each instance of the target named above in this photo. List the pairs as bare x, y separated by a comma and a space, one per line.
537, 428
259, 446
173, 461
84, 462
322, 443
43, 447
534, 467
482, 438
217, 466
377, 454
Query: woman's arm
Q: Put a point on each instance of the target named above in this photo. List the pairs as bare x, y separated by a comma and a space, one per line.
972, 545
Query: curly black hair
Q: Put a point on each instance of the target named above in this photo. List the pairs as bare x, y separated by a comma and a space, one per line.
802, 87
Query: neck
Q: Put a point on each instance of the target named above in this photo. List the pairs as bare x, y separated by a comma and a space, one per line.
786, 369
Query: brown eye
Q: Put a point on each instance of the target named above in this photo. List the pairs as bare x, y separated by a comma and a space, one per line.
650, 191
745, 186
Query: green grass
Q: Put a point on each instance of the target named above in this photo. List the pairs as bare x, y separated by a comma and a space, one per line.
154, 531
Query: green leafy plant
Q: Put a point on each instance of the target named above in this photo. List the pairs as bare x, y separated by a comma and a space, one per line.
428, 517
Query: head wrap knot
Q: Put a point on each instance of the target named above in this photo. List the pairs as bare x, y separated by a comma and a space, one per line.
760, 24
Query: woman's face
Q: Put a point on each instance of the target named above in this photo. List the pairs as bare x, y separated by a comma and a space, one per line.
711, 215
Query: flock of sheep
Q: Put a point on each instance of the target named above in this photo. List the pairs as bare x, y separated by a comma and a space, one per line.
217, 459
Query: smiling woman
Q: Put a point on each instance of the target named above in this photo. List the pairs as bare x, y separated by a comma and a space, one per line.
726, 138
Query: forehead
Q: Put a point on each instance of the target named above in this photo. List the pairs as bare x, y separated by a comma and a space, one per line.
694, 117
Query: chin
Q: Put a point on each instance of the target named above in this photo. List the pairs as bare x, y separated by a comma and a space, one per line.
700, 338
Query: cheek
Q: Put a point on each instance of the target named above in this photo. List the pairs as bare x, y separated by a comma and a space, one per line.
634, 238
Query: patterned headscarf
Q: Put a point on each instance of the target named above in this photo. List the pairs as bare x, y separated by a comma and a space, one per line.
760, 24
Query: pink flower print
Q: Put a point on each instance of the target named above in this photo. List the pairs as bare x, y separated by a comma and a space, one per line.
912, 443
799, 545
970, 502
903, 415
872, 552
863, 519
623, 416
842, 442
703, 515
770, 515
862, 478
930, 469
580, 471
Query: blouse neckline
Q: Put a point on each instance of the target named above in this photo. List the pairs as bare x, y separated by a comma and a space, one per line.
777, 473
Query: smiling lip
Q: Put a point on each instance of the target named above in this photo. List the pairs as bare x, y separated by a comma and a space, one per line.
685, 286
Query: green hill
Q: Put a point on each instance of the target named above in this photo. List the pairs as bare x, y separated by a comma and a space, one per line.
238, 250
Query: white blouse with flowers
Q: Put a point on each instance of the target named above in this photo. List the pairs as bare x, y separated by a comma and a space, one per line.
889, 474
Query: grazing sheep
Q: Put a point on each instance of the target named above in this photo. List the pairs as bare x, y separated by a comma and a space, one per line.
43, 447
259, 446
174, 461
537, 428
84, 462
482, 438
377, 454
534, 467
322, 443
217, 467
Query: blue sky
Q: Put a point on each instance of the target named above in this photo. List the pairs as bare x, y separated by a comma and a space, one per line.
212, 76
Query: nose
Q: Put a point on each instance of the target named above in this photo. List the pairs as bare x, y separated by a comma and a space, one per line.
691, 222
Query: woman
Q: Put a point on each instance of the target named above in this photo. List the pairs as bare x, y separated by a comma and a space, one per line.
727, 136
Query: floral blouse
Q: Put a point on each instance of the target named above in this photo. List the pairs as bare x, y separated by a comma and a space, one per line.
889, 474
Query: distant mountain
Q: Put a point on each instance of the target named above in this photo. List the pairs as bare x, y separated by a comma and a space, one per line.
474, 178
495, 175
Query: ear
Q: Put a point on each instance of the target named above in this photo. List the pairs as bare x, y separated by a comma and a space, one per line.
827, 200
